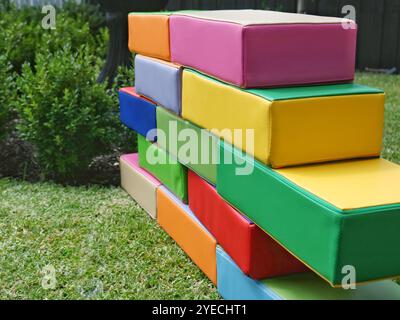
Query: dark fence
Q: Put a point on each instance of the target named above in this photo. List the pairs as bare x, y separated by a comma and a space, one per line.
378, 20
21, 3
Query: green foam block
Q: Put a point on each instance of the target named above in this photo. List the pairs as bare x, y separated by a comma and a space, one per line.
301, 92
323, 236
169, 171
307, 286
194, 147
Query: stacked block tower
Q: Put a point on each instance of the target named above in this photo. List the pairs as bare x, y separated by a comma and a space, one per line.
289, 193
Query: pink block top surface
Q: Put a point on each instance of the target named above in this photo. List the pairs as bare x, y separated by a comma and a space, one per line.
133, 160
212, 47
264, 55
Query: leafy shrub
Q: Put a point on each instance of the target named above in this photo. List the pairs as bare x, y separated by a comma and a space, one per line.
65, 114
77, 25
64, 117
85, 12
73, 32
7, 95
125, 78
5, 5
19, 39
23, 36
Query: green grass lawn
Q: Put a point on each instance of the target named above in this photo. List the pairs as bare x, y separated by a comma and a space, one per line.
391, 85
102, 245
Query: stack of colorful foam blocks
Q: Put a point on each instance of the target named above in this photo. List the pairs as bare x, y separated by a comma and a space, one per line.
289, 195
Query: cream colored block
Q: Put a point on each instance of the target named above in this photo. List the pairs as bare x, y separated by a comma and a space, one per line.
140, 185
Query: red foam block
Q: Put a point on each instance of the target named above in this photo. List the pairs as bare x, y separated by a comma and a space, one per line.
254, 251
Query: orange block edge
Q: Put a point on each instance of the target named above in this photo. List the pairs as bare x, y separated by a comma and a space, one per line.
188, 233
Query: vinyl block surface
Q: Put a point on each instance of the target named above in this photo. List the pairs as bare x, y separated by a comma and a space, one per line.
250, 48
160, 81
164, 167
149, 34
180, 223
235, 285
137, 113
337, 121
194, 147
256, 253
327, 215
140, 185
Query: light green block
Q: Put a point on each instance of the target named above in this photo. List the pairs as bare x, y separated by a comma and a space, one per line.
169, 171
178, 133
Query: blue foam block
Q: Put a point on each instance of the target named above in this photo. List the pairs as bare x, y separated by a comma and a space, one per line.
233, 284
137, 113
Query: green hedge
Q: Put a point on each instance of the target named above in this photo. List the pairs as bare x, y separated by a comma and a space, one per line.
23, 36
7, 95
48, 85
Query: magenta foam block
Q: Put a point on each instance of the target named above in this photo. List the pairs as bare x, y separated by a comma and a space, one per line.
255, 48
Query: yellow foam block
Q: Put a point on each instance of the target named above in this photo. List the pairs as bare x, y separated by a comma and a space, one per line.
291, 126
350, 185
181, 224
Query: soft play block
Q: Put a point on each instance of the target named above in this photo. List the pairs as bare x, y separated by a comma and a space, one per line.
149, 34
163, 166
181, 224
256, 48
328, 215
137, 113
140, 185
194, 147
291, 126
160, 81
256, 253
233, 284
